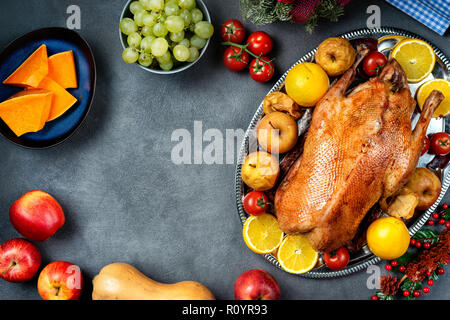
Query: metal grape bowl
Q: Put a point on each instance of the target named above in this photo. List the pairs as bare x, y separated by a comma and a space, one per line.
363, 258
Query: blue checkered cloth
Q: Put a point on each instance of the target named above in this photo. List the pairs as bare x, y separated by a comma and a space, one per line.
435, 14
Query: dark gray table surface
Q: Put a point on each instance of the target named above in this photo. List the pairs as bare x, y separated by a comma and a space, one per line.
123, 197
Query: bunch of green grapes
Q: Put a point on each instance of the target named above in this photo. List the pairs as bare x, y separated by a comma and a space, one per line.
164, 33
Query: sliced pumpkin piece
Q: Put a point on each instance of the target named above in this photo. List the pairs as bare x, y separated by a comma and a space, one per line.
46, 112
32, 71
61, 68
62, 99
26, 111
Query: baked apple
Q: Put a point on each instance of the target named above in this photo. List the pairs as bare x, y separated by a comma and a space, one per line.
260, 171
335, 56
279, 101
277, 132
426, 185
404, 205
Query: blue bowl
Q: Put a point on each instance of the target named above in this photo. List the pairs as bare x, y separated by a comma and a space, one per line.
57, 40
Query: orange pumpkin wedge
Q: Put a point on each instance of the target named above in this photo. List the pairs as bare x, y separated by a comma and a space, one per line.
32, 71
31, 91
61, 68
26, 111
62, 99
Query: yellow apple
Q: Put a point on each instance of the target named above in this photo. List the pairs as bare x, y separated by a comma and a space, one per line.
260, 171
277, 132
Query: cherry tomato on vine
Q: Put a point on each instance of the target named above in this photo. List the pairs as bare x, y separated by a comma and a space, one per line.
374, 63
255, 203
259, 43
261, 69
232, 30
426, 146
440, 143
336, 260
235, 58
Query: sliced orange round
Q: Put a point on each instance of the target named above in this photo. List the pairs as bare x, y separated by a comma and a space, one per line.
296, 255
391, 37
416, 57
262, 233
436, 84
390, 41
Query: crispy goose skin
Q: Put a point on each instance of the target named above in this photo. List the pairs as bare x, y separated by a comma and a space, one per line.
358, 150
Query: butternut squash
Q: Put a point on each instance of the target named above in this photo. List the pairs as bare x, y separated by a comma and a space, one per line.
62, 99
61, 68
121, 281
32, 71
26, 111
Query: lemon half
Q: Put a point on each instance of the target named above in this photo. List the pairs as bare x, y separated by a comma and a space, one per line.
416, 57
262, 233
296, 255
436, 84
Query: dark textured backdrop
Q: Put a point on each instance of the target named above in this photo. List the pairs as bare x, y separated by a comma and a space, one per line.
124, 199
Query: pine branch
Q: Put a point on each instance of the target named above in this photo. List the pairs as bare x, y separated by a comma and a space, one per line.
269, 11
328, 9
283, 11
259, 11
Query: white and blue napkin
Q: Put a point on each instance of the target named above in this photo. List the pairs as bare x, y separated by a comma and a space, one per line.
435, 14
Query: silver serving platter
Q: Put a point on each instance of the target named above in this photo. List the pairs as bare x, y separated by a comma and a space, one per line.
364, 257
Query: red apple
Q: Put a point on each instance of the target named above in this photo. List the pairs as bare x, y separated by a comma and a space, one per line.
60, 280
36, 215
19, 260
256, 284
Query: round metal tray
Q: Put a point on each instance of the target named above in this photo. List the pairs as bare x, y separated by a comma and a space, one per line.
364, 257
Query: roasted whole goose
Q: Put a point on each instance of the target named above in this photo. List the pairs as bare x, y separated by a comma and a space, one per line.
359, 149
